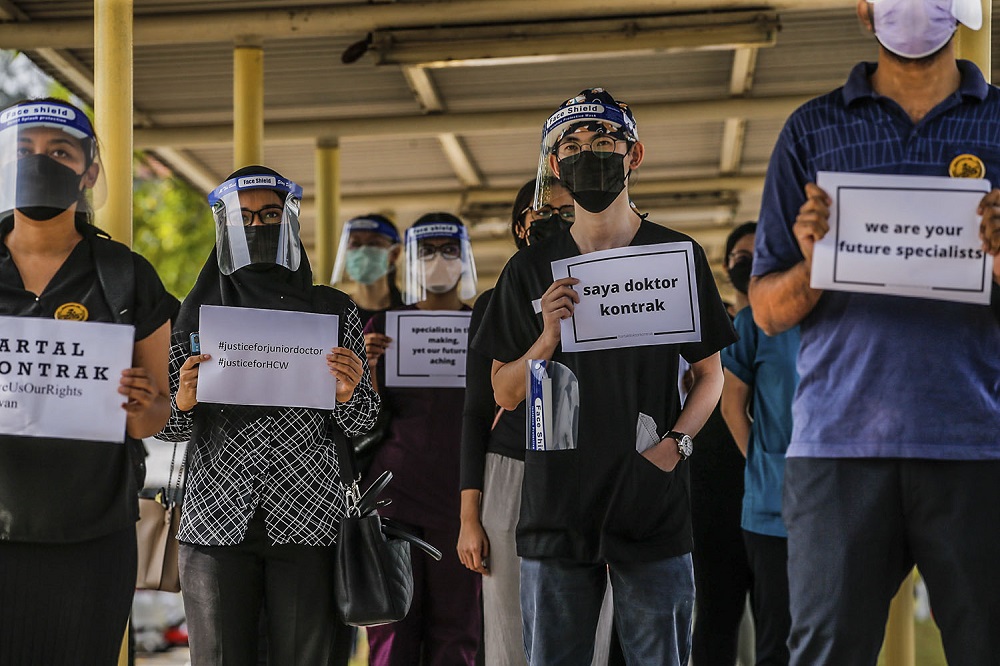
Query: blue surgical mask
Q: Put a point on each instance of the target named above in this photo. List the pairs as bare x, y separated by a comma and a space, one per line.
367, 264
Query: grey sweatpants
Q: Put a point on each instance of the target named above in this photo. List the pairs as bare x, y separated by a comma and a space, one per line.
501, 504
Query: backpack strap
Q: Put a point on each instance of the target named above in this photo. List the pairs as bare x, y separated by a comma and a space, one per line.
116, 273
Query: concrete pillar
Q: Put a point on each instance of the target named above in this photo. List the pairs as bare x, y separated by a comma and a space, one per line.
248, 102
113, 112
975, 45
900, 646
327, 210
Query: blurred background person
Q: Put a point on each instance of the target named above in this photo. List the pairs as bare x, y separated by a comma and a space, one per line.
367, 254
760, 380
444, 624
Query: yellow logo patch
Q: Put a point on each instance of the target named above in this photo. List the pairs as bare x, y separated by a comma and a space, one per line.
72, 312
967, 166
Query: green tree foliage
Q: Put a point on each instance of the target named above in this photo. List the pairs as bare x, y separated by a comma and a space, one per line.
172, 225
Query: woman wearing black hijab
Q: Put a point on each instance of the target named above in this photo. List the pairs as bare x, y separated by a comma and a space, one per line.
262, 499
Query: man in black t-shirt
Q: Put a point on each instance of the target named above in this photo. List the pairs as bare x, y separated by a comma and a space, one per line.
604, 506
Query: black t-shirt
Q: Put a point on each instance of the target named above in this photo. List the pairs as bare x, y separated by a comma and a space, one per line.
478, 434
64, 490
603, 501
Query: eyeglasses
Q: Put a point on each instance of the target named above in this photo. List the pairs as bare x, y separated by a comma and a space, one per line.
270, 214
567, 212
449, 251
602, 146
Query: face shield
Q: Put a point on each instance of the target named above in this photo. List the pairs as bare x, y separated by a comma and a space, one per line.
593, 158
48, 161
438, 258
363, 254
256, 222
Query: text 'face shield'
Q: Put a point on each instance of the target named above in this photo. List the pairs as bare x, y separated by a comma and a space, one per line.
257, 222
438, 257
48, 160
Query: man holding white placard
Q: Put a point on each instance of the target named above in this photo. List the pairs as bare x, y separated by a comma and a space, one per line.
894, 458
619, 502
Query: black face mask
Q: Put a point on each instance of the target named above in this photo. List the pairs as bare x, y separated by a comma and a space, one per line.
739, 274
45, 187
262, 241
544, 227
593, 181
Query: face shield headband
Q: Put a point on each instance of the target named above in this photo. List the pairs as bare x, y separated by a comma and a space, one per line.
239, 241
422, 271
379, 227
39, 185
579, 115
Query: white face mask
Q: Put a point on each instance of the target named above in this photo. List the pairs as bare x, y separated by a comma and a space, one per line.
441, 275
918, 28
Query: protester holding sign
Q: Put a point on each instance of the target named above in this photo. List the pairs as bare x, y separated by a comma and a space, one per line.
68, 504
604, 506
263, 497
368, 251
422, 451
896, 417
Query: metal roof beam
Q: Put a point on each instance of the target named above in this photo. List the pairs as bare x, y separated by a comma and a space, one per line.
220, 26
461, 123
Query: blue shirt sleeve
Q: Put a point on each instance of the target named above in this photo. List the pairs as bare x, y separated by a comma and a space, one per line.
776, 249
739, 358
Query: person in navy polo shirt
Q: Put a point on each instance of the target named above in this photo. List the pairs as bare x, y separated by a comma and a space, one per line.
895, 452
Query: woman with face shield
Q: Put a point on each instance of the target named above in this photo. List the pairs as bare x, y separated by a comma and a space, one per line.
68, 505
262, 497
368, 251
422, 452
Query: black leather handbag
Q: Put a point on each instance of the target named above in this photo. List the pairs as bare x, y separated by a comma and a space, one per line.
373, 574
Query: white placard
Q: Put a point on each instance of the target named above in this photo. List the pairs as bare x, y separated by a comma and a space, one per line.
271, 358
632, 296
61, 378
428, 348
903, 236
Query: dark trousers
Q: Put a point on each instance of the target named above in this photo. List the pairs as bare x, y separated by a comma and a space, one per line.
855, 529
721, 571
768, 556
225, 588
66, 604
444, 624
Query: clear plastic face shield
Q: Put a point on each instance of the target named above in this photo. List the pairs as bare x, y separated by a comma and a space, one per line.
257, 222
438, 258
49, 161
365, 251
590, 123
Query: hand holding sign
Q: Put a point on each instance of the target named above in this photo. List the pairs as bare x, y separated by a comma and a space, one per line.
813, 221
345, 365
187, 389
558, 303
989, 228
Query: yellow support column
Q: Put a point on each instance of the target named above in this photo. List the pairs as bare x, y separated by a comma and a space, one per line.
248, 102
113, 111
327, 207
976, 45
900, 646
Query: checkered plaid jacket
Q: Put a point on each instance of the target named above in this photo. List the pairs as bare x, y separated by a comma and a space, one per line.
280, 459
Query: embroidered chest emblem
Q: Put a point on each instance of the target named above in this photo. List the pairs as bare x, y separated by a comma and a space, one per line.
967, 166
72, 312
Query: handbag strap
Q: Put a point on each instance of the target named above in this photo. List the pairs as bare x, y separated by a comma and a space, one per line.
349, 478
174, 484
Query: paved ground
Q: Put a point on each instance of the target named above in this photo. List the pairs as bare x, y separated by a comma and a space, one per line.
172, 657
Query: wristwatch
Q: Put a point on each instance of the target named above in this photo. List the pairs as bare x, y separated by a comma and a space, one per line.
685, 445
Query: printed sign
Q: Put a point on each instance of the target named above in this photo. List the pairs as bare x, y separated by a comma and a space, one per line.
632, 296
270, 358
60, 378
905, 236
428, 348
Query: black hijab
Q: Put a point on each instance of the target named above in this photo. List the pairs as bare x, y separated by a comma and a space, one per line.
264, 286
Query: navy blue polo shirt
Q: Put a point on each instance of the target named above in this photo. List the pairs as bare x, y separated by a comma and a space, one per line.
886, 376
